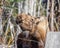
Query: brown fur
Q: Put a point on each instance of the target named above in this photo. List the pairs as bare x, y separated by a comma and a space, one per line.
36, 26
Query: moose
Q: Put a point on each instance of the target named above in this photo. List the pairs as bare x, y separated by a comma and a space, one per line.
37, 27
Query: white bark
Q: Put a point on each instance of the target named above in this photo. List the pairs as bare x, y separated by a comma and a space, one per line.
26, 7
34, 8
20, 7
30, 7
31, 2
39, 4
59, 5
48, 2
52, 16
1, 27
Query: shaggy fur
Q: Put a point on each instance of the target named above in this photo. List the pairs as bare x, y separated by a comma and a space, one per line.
37, 26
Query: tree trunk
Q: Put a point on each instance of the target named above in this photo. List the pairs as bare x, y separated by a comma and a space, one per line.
52, 16
1, 29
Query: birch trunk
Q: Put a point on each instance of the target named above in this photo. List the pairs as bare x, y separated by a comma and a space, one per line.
48, 2
34, 8
31, 3
20, 7
1, 29
29, 7
59, 5
1, 11
26, 7
39, 6
52, 16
